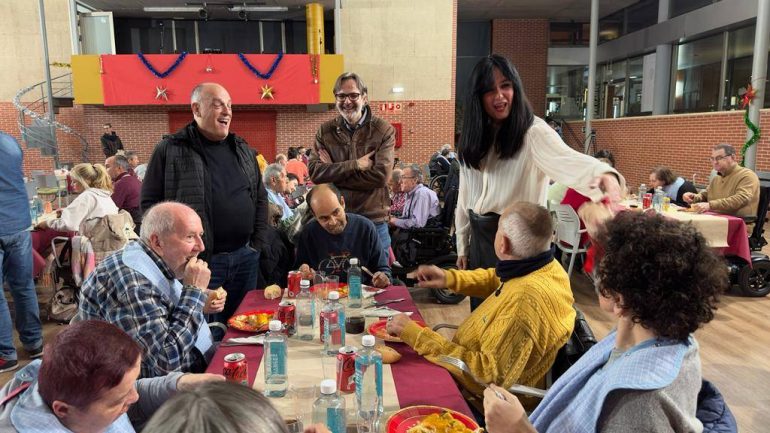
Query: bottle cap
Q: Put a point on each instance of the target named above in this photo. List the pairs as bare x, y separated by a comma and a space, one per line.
304, 283
354, 261
367, 340
275, 325
328, 386
334, 295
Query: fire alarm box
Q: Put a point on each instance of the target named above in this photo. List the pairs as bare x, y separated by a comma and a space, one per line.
399, 135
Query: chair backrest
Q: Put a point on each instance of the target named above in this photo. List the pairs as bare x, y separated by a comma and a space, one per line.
756, 240
581, 340
567, 224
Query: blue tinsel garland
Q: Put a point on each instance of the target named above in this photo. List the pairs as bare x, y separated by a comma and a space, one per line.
256, 72
168, 71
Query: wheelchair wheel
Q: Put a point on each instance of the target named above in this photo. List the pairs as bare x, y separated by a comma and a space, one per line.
754, 280
446, 296
437, 185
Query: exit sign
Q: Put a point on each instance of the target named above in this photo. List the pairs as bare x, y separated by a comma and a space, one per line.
391, 107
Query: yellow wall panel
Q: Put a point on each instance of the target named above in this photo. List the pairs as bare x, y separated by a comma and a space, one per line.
86, 80
332, 65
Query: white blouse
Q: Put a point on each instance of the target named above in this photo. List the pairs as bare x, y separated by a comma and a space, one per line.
524, 177
91, 203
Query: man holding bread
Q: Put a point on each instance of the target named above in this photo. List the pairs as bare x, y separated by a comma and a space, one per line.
138, 289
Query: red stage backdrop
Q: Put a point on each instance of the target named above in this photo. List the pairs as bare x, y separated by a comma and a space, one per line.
127, 81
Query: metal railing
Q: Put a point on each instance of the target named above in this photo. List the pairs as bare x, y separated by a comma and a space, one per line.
34, 115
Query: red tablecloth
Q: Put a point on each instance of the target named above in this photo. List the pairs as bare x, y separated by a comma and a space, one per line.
737, 238
417, 380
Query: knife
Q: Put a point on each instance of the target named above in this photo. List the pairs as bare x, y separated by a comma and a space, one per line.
381, 303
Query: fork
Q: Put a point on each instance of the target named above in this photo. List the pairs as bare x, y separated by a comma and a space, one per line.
515, 388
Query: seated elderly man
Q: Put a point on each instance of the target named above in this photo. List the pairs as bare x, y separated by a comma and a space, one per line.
735, 191
126, 187
138, 290
527, 316
86, 382
421, 202
334, 236
277, 184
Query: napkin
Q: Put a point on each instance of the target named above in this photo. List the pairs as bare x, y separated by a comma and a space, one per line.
255, 339
368, 294
383, 312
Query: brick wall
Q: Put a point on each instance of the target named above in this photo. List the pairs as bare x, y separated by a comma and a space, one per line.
525, 43
682, 142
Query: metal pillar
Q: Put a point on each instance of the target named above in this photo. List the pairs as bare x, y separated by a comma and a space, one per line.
338, 27
49, 88
662, 81
594, 38
758, 73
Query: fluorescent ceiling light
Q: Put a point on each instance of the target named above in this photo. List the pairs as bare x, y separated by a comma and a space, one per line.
397, 90
172, 8
258, 8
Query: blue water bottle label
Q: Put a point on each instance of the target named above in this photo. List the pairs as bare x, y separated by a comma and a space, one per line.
335, 420
354, 286
277, 358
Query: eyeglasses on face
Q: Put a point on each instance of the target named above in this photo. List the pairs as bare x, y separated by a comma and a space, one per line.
718, 158
352, 96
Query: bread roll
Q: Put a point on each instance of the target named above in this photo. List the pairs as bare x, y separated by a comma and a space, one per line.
389, 354
273, 291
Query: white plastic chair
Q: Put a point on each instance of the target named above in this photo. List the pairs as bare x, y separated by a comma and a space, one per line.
568, 233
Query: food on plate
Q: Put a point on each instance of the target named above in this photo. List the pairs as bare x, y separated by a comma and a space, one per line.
439, 423
273, 291
389, 354
255, 321
688, 209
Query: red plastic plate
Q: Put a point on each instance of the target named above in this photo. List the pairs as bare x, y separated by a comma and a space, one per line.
378, 330
408, 417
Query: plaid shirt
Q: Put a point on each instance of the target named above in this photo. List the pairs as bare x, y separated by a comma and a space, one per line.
122, 296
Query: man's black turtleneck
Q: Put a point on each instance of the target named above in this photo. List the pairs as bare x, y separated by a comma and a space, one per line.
232, 208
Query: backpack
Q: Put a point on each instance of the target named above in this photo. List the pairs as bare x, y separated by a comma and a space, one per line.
109, 233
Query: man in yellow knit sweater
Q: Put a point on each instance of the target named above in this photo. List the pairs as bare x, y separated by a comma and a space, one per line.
734, 191
527, 316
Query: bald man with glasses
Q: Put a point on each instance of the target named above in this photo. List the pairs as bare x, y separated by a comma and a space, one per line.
355, 152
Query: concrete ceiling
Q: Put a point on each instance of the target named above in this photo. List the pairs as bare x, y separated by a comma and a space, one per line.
468, 10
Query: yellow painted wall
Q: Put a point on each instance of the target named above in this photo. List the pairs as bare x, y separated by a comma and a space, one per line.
86, 80
400, 43
332, 67
22, 53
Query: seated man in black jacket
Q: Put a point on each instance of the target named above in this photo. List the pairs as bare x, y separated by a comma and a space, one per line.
334, 236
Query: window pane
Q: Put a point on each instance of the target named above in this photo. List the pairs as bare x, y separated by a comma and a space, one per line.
565, 91
635, 88
271, 32
680, 7
698, 74
229, 36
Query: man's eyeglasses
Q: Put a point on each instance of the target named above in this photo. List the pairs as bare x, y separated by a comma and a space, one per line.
352, 96
718, 158
407, 177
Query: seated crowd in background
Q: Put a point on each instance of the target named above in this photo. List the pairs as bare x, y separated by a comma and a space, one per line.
421, 205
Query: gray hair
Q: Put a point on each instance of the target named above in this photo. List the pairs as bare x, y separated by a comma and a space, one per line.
131, 153
350, 76
416, 172
195, 96
122, 162
528, 227
159, 220
396, 175
271, 171
729, 149
217, 407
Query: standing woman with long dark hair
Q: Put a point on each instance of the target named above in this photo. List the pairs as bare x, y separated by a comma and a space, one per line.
508, 154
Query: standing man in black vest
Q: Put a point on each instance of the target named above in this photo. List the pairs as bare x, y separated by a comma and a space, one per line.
215, 172
111, 143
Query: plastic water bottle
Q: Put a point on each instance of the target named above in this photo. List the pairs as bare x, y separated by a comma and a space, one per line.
305, 311
354, 284
33, 211
642, 191
369, 384
333, 324
657, 199
276, 379
329, 408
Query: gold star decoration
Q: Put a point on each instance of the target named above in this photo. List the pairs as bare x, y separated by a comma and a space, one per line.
267, 92
160, 92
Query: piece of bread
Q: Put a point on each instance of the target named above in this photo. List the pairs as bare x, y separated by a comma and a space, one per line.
273, 291
221, 293
389, 354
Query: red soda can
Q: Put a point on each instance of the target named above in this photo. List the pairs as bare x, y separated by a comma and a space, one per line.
286, 316
294, 279
647, 201
236, 369
346, 369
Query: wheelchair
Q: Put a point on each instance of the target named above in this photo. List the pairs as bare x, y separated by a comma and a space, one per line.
754, 281
430, 245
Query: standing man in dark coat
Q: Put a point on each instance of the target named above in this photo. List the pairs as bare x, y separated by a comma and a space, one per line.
215, 172
111, 143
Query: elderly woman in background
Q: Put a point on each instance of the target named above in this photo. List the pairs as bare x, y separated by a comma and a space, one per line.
660, 281
673, 186
397, 196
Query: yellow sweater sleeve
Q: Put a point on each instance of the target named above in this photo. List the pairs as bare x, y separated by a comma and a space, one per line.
479, 282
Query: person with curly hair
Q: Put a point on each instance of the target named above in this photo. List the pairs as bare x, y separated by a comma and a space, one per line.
661, 282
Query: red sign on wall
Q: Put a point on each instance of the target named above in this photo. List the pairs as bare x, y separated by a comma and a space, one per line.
398, 128
391, 107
